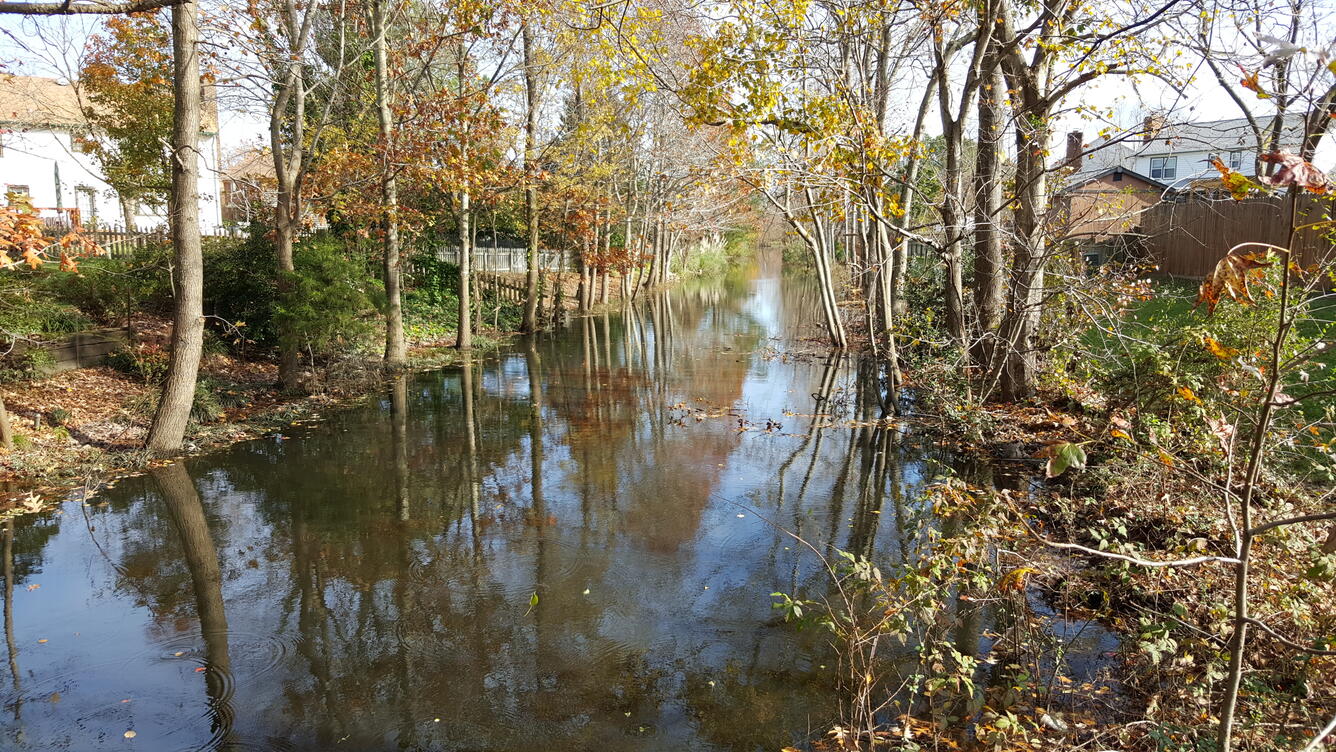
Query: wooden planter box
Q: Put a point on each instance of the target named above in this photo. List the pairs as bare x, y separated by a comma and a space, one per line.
79, 350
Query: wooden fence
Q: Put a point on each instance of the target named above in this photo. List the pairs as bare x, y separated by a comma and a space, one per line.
1186, 238
510, 259
500, 288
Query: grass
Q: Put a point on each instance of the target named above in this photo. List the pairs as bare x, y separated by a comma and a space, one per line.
1171, 307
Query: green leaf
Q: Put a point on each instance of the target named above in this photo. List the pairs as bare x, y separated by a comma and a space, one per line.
1063, 456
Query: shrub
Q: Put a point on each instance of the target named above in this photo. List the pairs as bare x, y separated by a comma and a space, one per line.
146, 362
242, 288
32, 363
333, 300
208, 406
24, 314
113, 289
711, 257
431, 303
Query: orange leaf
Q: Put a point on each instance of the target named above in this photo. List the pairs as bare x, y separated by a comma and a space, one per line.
1188, 395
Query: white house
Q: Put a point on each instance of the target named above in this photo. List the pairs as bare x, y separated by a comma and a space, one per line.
1176, 154
40, 157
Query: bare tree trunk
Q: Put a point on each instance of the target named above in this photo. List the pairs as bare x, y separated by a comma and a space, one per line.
178, 393
464, 335
989, 282
1020, 367
530, 323
285, 230
953, 221
128, 214
6, 430
288, 158
395, 349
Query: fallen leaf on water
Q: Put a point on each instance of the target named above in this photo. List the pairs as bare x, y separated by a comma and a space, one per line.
34, 586
42, 640
130, 734
201, 668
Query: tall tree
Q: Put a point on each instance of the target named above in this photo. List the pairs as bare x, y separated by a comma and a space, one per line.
125, 91
395, 349
531, 100
178, 394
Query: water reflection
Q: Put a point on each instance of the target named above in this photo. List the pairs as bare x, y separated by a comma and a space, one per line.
548, 549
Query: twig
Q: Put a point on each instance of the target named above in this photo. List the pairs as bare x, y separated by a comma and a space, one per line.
1288, 642
1316, 743
1123, 557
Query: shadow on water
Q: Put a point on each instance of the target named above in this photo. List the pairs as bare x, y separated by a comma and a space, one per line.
553, 548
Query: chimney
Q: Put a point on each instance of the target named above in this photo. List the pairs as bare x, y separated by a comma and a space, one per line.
1075, 145
1152, 126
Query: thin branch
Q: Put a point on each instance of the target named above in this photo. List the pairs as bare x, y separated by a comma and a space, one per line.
1258, 530
1316, 743
1285, 640
1174, 563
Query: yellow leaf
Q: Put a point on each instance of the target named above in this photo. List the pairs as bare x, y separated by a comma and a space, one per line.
1219, 350
1119, 433
1188, 395
1166, 459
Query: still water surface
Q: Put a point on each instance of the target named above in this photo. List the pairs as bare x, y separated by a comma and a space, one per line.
565, 546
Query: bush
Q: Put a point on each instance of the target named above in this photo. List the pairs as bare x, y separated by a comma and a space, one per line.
714, 257
333, 300
242, 289
146, 362
113, 289
431, 304
208, 406
23, 314
32, 363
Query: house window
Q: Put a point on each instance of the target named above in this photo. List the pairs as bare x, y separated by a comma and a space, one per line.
1164, 168
1118, 176
1235, 160
18, 196
85, 200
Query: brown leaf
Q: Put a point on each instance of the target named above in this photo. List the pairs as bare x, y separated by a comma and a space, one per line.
1294, 171
1230, 278
1223, 431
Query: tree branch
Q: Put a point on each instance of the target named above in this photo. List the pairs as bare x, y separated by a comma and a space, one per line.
72, 8
1173, 563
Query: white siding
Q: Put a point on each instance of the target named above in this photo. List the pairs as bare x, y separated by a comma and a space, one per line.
44, 161
1193, 164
